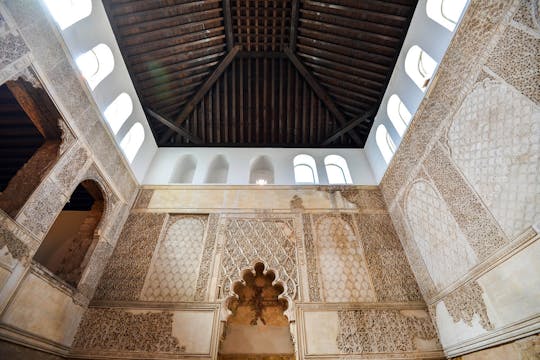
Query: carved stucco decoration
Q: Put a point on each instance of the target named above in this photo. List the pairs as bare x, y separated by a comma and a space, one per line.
268, 239
381, 331
16, 248
364, 199
123, 277
296, 203
175, 267
342, 265
528, 14
465, 302
311, 260
12, 47
389, 269
104, 329
143, 199
444, 249
495, 141
207, 257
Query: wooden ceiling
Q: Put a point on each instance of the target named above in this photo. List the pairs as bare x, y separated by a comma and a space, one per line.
287, 73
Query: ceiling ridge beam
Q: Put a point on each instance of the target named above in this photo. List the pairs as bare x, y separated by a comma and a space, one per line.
194, 139
321, 93
294, 25
202, 91
347, 127
227, 19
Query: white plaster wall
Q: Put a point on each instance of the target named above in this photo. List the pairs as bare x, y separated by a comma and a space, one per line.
239, 160
83, 36
432, 38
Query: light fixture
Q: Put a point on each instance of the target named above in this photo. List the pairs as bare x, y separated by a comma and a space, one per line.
261, 182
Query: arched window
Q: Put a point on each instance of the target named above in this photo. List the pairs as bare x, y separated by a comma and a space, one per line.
446, 12
131, 143
398, 114
96, 64
385, 143
419, 66
337, 170
305, 170
184, 170
261, 171
218, 171
118, 111
68, 12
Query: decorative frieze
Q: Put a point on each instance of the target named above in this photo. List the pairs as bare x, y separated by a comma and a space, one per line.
207, 257
311, 260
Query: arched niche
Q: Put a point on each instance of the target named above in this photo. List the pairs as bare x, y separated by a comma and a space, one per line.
66, 249
261, 171
218, 171
257, 317
184, 170
30, 140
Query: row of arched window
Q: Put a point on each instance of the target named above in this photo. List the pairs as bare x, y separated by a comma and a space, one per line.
95, 65
420, 67
305, 170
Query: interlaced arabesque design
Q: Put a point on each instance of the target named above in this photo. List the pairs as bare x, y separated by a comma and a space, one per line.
248, 240
343, 267
495, 141
173, 274
443, 247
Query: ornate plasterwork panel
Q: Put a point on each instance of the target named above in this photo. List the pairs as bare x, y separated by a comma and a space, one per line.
495, 141
207, 257
269, 239
443, 247
311, 260
175, 265
124, 275
120, 330
342, 265
381, 331
392, 277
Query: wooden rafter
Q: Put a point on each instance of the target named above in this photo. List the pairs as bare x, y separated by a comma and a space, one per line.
347, 127
202, 91
227, 19
321, 93
294, 25
168, 123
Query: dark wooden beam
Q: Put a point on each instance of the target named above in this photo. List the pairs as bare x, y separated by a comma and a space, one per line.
294, 26
168, 123
202, 91
347, 127
321, 93
227, 19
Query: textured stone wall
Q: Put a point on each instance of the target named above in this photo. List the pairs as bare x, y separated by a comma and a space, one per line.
30, 50
463, 189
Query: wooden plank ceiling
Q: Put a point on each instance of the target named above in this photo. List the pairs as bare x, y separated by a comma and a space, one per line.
286, 73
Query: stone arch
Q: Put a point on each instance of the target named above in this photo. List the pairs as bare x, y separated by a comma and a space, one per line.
257, 316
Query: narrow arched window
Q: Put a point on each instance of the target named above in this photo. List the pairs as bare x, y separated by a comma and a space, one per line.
385, 143
261, 171
118, 111
96, 64
68, 12
305, 170
131, 143
398, 114
337, 170
419, 66
446, 12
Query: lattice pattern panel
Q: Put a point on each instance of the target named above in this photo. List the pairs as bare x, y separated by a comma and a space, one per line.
495, 141
270, 240
443, 247
343, 268
175, 266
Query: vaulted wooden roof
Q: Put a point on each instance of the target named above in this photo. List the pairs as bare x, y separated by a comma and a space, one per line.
260, 72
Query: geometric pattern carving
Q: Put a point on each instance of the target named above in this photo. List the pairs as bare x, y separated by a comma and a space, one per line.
124, 275
495, 141
444, 249
311, 260
390, 271
175, 266
465, 302
381, 331
12, 47
207, 257
342, 265
270, 240
120, 330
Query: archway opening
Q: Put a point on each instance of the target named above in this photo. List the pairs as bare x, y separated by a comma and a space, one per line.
257, 327
68, 246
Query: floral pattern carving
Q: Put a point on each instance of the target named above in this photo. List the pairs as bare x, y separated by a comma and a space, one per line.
465, 302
